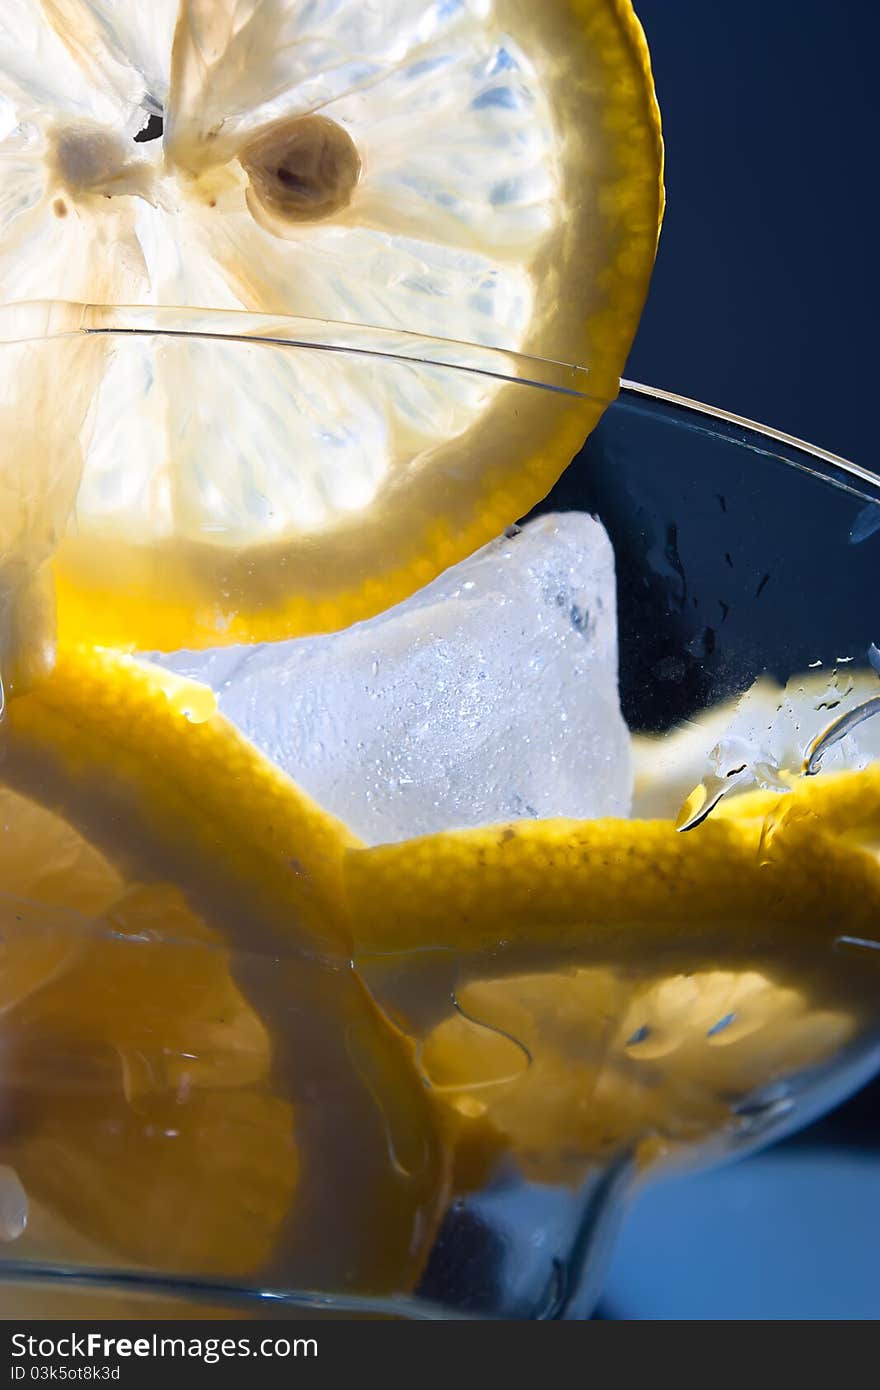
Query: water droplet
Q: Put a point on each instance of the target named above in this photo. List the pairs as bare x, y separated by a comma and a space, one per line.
855, 943
720, 1026
761, 1111
470, 1107
837, 730
639, 1036
374, 669
702, 801
867, 522
195, 702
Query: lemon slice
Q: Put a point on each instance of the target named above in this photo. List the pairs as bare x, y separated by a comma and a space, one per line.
122, 1028
615, 889
479, 172
619, 989
189, 1058
579, 1068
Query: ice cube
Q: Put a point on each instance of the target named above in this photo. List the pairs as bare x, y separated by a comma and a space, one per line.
491, 695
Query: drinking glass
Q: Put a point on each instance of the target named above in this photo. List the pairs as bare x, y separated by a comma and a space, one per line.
746, 565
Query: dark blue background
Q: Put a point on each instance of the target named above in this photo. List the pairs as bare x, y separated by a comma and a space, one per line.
764, 297
764, 301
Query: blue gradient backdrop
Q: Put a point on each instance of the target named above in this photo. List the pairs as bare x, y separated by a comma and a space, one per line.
765, 301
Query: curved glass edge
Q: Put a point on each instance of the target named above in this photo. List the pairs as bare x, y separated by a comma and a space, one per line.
35, 322
860, 482
203, 1293
507, 367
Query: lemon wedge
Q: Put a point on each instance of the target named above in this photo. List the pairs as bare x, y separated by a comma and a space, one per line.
479, 172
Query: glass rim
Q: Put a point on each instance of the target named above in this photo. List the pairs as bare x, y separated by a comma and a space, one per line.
743, 422
40, 321
33, 322
182, 1289
842, 473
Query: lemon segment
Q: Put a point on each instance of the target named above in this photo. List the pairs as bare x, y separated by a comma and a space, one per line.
620, 1067
137, 1096
122, 1030
120, 50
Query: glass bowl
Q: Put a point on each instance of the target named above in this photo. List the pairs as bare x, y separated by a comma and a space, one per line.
557, 1052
